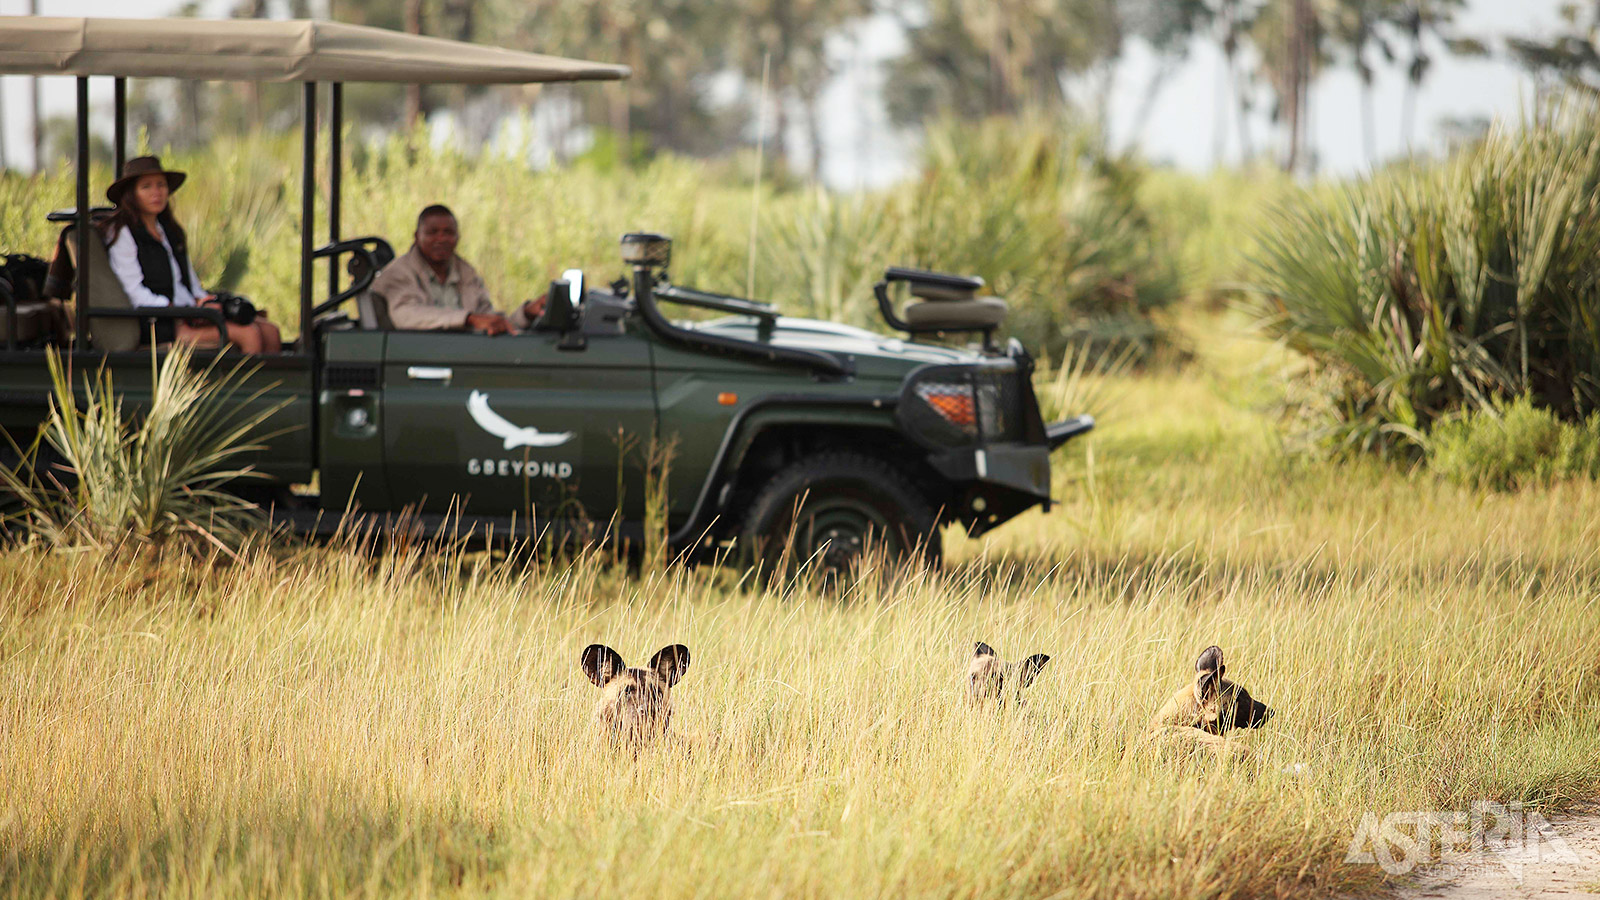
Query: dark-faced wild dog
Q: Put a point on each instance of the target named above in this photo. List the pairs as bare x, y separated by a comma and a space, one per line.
990, 679
1200, 714
635, 704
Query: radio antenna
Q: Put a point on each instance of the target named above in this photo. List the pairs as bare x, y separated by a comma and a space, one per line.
755, 189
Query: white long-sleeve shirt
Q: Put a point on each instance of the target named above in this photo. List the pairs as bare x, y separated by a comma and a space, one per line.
124, 254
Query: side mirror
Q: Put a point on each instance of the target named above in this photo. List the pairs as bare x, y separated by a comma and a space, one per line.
574, 277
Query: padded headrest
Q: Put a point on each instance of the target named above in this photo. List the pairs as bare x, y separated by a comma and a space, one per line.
975, 314
941, 293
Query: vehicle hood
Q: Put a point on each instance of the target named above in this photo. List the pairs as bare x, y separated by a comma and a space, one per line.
832, 337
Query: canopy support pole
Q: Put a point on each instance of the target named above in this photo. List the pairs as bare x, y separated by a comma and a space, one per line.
308, 203
81, 292
309, 346
119, 95
335, 178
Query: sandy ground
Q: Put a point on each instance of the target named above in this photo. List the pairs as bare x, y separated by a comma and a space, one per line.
1567, 866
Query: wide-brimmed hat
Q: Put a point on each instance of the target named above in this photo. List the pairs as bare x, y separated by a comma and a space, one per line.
137, 168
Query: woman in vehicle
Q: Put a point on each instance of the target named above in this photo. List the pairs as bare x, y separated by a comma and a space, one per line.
148, 251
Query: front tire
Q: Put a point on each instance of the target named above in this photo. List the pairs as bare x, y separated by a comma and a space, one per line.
827, 510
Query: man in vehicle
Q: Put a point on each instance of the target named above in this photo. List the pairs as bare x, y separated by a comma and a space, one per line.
430, 288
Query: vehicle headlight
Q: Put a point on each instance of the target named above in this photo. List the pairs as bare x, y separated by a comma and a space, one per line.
952, 402
957, 406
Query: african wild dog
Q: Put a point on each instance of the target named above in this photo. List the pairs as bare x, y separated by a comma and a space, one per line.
1203, 711
989, 679
635, 704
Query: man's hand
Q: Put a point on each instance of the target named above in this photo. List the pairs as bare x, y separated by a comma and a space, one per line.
489, 323
534, 308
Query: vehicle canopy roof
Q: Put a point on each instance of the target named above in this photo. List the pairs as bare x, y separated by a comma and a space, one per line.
263, 50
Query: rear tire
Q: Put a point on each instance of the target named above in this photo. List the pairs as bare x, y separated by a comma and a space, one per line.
836, 506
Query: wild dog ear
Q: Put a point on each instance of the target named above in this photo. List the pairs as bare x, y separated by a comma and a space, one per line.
1029, 668
670, 663
1211, 661
601, 663
983, 649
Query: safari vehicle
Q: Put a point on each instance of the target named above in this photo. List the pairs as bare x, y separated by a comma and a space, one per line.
781, 432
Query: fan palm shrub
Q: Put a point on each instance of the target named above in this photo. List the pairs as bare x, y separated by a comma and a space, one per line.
154, 475
1433, 290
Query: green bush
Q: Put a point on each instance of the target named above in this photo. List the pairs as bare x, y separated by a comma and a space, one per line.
1433, 290
1209, 224
1507, 446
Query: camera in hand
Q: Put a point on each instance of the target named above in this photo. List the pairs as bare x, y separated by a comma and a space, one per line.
236, 309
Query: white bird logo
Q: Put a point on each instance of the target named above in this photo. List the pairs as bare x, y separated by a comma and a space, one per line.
500, 427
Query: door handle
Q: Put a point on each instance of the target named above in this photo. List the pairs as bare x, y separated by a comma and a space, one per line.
429, 373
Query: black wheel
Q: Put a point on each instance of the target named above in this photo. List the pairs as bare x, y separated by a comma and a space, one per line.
825, 511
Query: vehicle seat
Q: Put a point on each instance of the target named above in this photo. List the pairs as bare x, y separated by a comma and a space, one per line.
20, 287
372, 311
32, 319
105, 292
969, 314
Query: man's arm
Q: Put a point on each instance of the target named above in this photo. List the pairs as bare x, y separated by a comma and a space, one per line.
475, 298
410, 307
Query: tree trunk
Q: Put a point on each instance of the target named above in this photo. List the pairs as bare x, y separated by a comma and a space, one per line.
1408, 113
413, 25
621, 113
780, 120
1219, 125
38, 137
1296, 93
622, 104
1367, 124
810, 100
1247, 150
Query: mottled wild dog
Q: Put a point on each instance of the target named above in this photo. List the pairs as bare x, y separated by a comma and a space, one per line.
991, 679
634, 703
1206, 709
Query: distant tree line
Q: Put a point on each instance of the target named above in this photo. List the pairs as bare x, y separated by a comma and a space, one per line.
699, 66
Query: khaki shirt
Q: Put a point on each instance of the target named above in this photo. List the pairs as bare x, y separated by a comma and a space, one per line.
419, 301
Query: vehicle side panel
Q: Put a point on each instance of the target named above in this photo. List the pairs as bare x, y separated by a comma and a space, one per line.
517, 425
25, 391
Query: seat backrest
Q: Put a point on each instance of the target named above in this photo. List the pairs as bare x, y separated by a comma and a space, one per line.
374, 311
105, 292
32, 315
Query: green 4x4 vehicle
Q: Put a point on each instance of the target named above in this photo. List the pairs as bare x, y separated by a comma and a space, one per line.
773, 433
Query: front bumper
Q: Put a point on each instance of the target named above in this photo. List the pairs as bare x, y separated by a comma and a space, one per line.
1060, 432
981, 425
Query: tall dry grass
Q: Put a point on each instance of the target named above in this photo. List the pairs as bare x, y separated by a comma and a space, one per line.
321, 722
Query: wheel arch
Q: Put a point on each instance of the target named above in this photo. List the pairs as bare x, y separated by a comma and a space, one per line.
769, 435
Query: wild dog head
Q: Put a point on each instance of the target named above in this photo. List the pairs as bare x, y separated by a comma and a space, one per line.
1220, 704
634, 703
991, 679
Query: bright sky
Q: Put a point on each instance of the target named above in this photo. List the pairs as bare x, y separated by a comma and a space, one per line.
1181, 129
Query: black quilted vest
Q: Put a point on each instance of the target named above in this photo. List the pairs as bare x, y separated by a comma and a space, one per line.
153, 264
